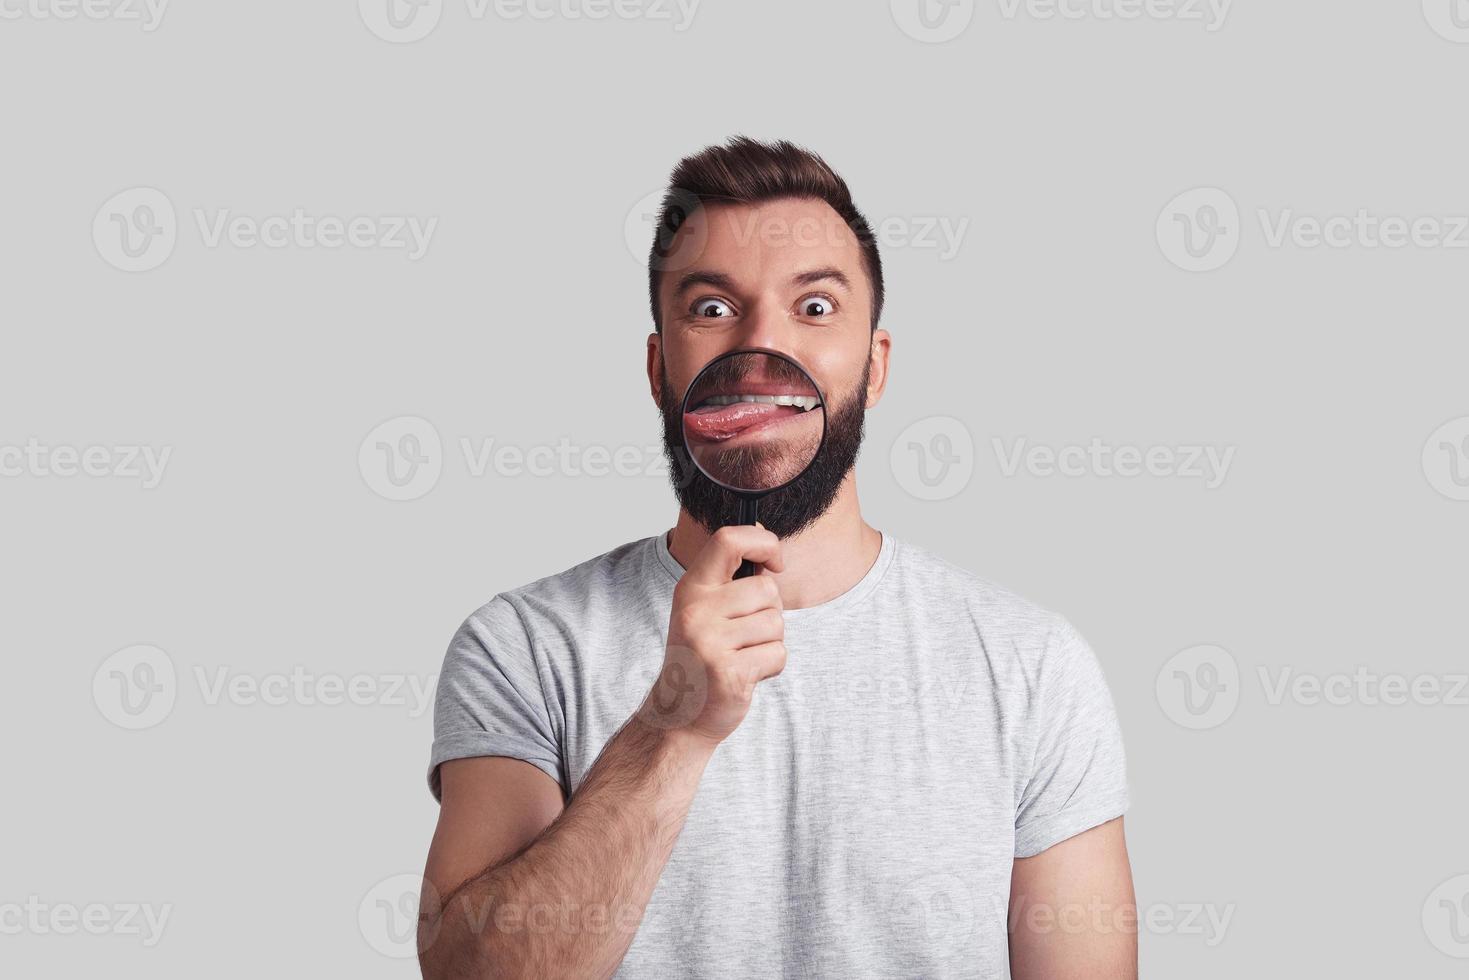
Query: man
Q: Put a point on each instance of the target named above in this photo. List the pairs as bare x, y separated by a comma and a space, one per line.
861, 762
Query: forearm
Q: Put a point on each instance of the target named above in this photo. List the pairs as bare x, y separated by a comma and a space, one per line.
570, 903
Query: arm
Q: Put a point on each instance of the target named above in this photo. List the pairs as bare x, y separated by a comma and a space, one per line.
518, 887
1073, 915
564, 901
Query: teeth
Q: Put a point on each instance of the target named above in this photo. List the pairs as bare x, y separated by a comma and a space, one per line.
804, 402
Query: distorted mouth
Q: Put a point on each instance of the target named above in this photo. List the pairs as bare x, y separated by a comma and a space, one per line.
804, 402
724, 416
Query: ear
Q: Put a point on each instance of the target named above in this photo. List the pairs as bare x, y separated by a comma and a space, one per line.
877, 377
655, 367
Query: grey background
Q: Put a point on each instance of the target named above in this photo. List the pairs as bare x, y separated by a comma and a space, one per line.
1323, 829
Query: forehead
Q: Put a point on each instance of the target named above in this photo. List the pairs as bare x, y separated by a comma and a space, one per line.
755, 242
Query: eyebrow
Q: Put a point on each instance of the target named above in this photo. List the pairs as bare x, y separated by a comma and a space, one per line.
716, 279
813, 276
720, 280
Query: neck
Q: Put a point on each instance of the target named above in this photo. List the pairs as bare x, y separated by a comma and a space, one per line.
821, 562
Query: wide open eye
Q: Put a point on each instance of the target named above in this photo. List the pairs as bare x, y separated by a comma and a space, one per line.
711, 308
816, 305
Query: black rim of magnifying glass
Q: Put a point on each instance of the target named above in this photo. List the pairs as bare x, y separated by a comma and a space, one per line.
749, 499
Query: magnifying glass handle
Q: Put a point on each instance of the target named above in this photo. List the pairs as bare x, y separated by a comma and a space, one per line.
749, 514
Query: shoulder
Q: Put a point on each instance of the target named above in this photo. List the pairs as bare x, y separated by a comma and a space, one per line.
1010, 627
584, 589
921, 571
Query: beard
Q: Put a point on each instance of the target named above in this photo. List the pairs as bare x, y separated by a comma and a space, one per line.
795, 506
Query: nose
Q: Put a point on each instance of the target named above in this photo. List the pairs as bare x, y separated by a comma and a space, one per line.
768, 326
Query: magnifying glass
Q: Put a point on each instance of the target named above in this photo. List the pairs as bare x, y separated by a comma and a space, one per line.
753, 422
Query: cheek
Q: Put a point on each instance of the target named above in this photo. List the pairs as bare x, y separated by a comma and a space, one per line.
838, 372
675, 371
683, 356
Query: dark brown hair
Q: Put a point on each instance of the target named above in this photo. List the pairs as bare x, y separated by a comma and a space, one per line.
746, 171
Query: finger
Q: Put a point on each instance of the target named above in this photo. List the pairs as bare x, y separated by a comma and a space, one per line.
747, 595
727, 547
766, 660
760, 627
776, 564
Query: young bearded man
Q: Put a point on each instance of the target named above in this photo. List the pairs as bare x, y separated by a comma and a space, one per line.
861, 762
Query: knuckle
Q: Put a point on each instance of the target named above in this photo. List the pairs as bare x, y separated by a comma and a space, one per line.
726, 535
686, 620
736, 684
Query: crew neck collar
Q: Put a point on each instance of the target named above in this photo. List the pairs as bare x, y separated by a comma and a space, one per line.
859, 591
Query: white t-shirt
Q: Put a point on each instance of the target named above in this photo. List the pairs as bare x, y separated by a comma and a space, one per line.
929, 728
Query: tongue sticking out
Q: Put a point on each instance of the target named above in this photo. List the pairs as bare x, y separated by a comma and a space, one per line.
727, 421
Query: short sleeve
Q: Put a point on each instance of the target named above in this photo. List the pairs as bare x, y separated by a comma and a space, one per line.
1078, 779
489, 699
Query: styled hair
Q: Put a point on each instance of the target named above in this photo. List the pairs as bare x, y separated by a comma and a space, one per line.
747, 171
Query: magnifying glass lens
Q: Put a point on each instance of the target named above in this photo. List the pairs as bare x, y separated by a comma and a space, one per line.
753, 421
